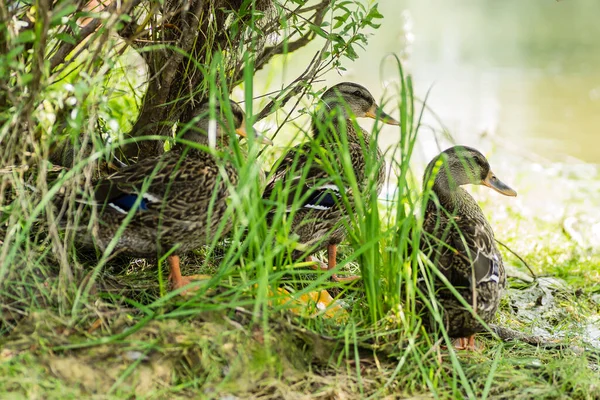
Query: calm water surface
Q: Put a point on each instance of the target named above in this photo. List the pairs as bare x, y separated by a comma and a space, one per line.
525, 74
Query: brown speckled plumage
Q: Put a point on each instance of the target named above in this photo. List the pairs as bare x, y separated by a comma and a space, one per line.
460, 241
183, 186
321, 221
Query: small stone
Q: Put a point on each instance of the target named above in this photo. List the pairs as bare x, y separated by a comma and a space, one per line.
134, 355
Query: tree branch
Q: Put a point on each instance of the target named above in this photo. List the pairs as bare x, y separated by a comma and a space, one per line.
65, 48
270, 52
161, 88
292, 89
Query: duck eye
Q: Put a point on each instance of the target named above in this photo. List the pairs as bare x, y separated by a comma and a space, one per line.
357, 93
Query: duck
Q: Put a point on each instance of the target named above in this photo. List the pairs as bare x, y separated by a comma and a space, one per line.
459, 241
168, 197
321, 219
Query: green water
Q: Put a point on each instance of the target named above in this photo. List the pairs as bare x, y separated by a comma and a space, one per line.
514, 75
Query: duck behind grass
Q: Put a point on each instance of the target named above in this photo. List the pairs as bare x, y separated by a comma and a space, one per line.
176, 202
321, 220
459, 241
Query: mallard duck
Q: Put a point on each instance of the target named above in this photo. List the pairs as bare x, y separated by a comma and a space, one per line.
460, 241
319, 223
169, 197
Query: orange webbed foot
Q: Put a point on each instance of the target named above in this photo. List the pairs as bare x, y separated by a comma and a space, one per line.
186, 280
467, 343
177, 280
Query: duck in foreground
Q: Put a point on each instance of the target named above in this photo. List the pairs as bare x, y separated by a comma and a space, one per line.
460, 241
169, 197
321, 220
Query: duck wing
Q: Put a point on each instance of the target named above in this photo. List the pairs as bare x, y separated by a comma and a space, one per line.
462, 247
476, 253
301, 174
156, 180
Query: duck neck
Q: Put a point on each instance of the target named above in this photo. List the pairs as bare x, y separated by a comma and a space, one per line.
450, 195
331, 131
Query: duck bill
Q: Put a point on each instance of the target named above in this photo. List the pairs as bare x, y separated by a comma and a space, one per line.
241, 131
377, 113
494, 183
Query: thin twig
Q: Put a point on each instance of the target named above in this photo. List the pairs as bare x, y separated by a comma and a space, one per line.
292, 90
270, 52
534, 276
511, 335
301, 83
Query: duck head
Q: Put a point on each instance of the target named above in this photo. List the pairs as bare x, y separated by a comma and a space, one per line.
354, 100
462, 165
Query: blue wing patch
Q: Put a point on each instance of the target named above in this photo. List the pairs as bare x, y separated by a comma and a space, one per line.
126, 202
323, 199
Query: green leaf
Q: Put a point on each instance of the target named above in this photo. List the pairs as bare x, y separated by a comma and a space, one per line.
340, 20
66, 38
15, 51
342, 5
338, 39
318, 31
350, 53
26, 78
373, 14
26, 36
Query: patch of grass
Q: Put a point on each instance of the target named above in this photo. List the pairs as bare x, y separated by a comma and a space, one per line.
218, 355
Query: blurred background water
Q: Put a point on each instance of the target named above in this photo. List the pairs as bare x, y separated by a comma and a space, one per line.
522, 76
525, 72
